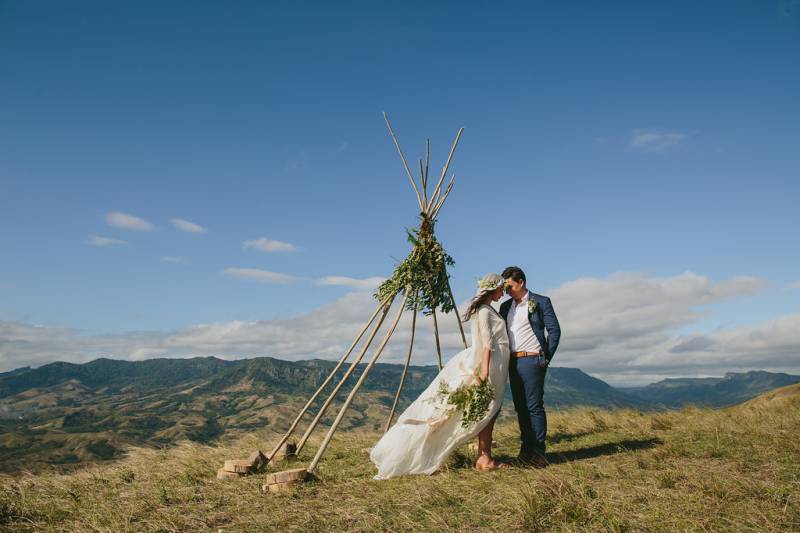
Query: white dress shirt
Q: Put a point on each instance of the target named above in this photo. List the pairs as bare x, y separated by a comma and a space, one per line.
520, 334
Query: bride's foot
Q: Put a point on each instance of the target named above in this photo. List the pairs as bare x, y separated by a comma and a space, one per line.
486, 464
491, 466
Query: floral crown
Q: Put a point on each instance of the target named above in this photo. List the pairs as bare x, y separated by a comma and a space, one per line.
490, 282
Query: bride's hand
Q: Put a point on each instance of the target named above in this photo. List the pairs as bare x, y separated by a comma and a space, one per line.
484, 375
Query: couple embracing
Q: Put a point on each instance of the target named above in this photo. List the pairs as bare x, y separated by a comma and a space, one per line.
514, 345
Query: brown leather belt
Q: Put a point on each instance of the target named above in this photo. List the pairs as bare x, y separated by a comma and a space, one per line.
526, 354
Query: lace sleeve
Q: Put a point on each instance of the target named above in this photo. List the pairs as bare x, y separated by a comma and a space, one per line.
484, 328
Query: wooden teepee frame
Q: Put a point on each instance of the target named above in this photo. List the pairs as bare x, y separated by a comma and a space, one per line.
429, 206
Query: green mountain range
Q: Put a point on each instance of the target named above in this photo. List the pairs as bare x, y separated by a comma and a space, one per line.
65, 414
730, 389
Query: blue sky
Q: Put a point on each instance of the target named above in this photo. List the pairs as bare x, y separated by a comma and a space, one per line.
642, 138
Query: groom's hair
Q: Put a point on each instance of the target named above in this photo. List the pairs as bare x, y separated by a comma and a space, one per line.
514, 273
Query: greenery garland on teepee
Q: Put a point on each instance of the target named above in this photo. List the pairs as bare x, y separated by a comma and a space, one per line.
423, 272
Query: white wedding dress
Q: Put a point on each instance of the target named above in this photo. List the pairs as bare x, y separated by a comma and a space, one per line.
428, 430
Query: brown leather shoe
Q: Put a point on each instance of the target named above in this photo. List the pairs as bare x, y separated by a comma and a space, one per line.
533, 460
538, 461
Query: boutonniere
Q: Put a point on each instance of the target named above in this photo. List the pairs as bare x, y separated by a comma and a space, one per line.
531, 306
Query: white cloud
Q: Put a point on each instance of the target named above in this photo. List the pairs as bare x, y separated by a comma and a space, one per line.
268, 245
263, 276
654, 140
323, 333
174, 259
126, 221
603, 311
185, 225
365, 284
35, 345
96, 240
621, 328
778, 340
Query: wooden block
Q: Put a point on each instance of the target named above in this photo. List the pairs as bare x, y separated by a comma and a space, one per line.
224, 474
239, 466
257, 460
297, 474
294, 477
277, 487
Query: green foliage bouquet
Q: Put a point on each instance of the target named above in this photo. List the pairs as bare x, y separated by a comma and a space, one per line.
472, 400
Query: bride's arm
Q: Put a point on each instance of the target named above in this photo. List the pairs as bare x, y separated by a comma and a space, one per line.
486, 342
487, 355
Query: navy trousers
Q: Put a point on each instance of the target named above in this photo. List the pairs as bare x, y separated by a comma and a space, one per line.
527, 389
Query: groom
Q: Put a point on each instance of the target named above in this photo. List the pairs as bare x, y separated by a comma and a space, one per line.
528, 315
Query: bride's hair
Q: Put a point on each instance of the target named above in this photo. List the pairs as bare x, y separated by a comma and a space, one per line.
476, 302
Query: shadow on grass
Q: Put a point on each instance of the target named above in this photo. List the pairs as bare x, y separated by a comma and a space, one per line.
609, 448
458, 460
566, 437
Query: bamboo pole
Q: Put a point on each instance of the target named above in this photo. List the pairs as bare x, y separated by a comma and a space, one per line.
325, 383
427, 157
444, 197
405, 164
436, 191
436, 335
405, 371
424, 181
458, 316
361, 379
347, 374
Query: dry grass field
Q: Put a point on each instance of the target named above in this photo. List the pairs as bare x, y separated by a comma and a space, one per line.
734, 469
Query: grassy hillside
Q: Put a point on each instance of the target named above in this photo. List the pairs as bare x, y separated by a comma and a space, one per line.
66, 415
735, 469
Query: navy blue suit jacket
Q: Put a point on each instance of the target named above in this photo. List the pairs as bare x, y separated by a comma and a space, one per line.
542, 319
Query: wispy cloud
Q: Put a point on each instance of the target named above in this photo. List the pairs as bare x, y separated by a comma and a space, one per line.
126, 221
174, 259
185, 225
96, 240
655, 140
363, 284
795, 285
262, 276
268, 245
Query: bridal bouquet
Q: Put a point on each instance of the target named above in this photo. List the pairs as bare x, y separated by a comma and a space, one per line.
472, 400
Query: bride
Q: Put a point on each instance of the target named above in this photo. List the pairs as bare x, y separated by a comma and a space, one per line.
429, 429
